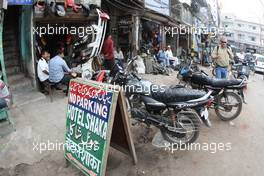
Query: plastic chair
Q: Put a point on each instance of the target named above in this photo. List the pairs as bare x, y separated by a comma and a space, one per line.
4, 115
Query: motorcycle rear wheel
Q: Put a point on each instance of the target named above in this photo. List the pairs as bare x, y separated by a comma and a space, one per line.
223, 107
190, 124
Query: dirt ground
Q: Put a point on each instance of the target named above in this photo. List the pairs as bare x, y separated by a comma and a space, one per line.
44, 121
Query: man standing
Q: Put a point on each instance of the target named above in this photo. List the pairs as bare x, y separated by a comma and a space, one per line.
119, 56
108, 51
59, 72
221, 56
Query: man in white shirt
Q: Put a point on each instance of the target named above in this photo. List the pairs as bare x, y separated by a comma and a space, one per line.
118, 54
5, 96
43, 67
169, 54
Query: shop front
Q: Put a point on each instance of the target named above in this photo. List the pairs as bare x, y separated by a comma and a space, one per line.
124, 34
53, 31
16, 58
28, 27
151, 36
185, 38
137, 27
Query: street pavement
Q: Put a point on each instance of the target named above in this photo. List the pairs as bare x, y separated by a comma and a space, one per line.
43, 121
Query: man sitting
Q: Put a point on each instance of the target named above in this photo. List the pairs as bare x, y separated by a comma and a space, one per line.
43, 69
162, 57
172, 59
5, 96
59, 72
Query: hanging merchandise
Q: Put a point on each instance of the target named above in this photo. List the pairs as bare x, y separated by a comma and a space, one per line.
70, 3
50, 8
60, 11
43, 41
53, 6
86, 6
39, 8
195, 42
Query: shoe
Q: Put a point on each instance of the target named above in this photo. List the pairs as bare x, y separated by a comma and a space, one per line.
58, 88
66, 92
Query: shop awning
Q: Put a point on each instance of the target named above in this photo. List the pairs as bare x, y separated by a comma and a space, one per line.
70, 17
137, 7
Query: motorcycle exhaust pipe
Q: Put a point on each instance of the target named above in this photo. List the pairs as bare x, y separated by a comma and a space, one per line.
207, 122
205, 118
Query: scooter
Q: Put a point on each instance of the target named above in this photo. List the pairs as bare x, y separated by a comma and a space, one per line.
242, 69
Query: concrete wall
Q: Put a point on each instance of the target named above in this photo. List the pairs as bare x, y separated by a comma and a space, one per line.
26, 42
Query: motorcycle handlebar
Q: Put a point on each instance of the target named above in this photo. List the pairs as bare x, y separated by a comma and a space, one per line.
136, 76
204, 72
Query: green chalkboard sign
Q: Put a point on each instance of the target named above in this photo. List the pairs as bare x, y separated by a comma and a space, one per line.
90, 115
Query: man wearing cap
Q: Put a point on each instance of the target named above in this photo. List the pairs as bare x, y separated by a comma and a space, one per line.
221, 56
171, 57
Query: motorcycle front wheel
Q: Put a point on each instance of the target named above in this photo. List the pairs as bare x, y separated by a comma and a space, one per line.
228, 106
189, 127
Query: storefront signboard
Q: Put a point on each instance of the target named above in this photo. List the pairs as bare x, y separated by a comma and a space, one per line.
160, 6
20, 2
92, 109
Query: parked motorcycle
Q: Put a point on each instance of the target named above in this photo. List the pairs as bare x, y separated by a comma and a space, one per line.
228, 94
159, 68
242, 68
176, 111
186, 60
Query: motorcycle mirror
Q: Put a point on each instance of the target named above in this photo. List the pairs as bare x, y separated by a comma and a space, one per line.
134, 58
121, 70
136, 76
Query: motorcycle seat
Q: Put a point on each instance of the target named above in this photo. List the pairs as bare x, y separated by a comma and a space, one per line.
225, 83
175, 94
202, 79
152, 104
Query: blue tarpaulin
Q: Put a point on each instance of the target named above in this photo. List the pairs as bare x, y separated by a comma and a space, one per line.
20, 2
